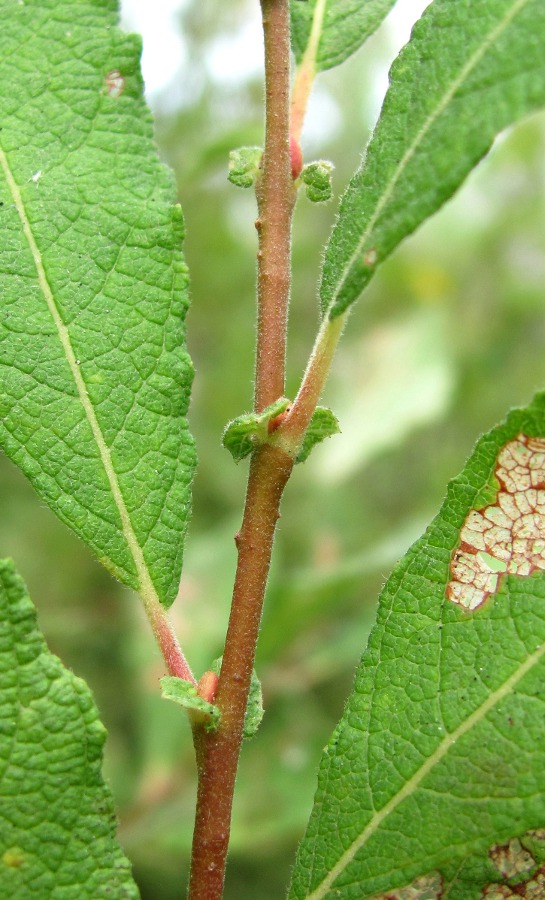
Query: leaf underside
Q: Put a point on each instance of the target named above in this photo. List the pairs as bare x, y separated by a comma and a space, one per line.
470, 70
57, 823
185, 694
94, 372
346, 26
440, 752
323, 424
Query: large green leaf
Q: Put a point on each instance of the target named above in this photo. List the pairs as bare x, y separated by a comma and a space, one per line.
470, 69
343, 26
57, 824
95, 377
440, 752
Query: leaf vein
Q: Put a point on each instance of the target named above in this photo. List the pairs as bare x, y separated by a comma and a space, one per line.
413, 783
146, 586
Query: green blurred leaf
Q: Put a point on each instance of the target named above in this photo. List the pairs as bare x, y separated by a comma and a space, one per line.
323, 424
469, 71
185, 694
345, 26
440, 752
95, 375
246, 432
57, 822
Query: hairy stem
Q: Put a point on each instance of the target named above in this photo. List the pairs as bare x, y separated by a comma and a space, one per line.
165, 636
275, 202
290, 433
218, 752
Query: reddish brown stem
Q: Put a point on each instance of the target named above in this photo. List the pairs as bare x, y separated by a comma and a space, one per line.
275, 201
218, 752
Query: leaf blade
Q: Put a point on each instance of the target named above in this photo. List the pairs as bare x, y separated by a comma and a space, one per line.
345, 26
468, 72
322, 425
57, 822
446, 711
185, 694
95, 372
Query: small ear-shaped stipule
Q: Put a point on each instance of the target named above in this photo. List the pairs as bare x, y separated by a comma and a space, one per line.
208, 686
296, 158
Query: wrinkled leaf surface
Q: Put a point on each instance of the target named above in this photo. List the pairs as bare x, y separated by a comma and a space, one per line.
94, 373
469, 70
57, 822
440, 753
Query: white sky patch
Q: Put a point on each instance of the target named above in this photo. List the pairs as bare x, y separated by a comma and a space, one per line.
323, 118
402, 18
233, 58
236, 58
164, 51
399, 23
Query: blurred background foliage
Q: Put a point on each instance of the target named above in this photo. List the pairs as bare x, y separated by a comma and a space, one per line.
450, 335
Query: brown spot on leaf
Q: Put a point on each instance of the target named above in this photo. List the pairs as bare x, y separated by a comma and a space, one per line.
427, 887
13, 857
537, 833
532, 889
511, 859
507, 536
114, 83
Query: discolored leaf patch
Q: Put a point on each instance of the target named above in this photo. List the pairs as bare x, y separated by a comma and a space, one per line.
428, 887
440, 753
507, 536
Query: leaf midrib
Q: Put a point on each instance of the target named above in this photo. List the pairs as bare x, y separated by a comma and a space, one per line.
311, 50
413, 783
146, 587
385, 197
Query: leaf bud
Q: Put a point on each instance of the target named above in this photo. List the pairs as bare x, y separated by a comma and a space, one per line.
317, 179
244, 166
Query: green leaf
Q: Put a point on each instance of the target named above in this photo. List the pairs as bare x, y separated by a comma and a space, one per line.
184, 693
516, 863
244, 166
440, 753
323, 424
94, 371
317, 179
469, 71
254, 708
57, 822
342, 27
246, 432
